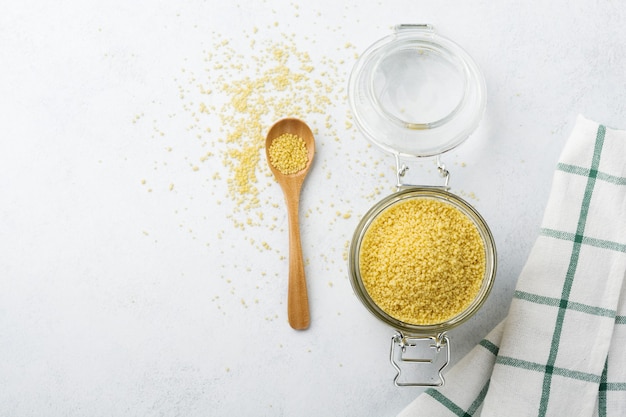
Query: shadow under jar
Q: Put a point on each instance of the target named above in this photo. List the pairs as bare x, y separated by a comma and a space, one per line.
422, 259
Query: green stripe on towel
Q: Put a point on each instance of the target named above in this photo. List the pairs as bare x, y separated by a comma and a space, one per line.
489, 346
598, 243
557, 302
555, 370
454, 408
573, 169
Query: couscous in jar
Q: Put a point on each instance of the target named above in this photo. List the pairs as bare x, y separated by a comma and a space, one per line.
422, 260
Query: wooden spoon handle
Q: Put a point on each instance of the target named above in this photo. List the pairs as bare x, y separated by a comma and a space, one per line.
297, 297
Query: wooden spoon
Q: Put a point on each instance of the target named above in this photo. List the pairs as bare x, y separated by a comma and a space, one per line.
297, 298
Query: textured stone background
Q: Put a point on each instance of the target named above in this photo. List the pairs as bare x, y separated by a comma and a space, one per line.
135, 282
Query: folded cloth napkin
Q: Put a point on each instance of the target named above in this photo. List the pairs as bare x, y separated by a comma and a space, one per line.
561, 351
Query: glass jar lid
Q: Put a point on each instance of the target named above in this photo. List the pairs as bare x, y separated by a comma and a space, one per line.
416, 93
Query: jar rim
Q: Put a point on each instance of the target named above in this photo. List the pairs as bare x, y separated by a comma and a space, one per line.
442, 196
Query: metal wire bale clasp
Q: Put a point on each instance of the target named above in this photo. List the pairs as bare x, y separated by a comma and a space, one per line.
420, 353
402, 168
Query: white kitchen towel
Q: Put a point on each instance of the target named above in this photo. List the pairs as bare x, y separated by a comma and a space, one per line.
561, 351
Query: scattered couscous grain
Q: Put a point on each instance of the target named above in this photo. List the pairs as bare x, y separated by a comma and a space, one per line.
422, 261
288, 153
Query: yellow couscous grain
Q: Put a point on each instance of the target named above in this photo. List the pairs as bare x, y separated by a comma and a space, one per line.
288, 153
422, 261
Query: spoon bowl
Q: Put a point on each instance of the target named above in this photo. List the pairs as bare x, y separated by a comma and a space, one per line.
291, 184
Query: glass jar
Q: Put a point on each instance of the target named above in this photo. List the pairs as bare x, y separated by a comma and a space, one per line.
416, 94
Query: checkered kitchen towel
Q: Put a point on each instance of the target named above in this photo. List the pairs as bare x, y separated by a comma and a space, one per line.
561, 351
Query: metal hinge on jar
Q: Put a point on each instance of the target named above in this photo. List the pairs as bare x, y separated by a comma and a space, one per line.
402, 168
424, 355
426, 27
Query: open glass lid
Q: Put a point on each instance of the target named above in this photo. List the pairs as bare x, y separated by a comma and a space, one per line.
415, 93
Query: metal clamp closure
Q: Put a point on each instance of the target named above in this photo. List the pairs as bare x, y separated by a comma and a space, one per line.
410, 352
402, 168
426, 27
